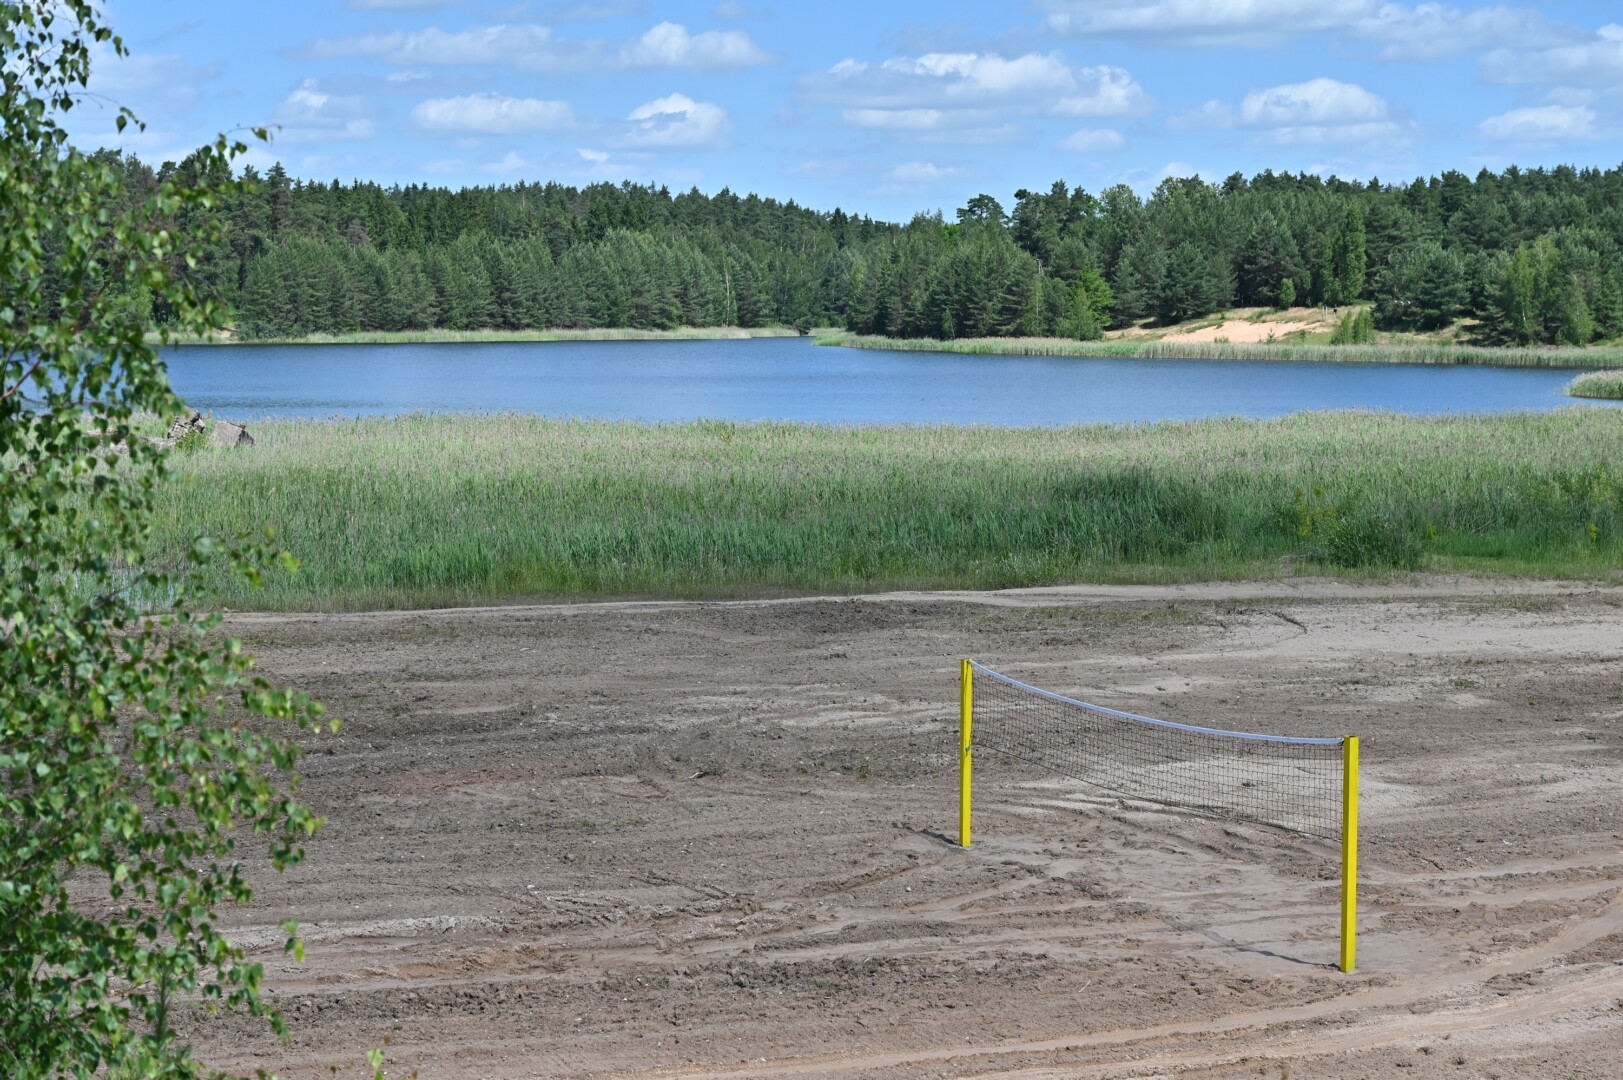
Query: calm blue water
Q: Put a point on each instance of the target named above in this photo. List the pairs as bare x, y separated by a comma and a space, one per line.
792, 379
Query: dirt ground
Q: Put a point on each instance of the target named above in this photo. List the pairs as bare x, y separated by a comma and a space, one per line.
685, 839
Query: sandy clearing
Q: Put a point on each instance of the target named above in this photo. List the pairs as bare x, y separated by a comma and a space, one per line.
1242, 326
1246, 332
676, 839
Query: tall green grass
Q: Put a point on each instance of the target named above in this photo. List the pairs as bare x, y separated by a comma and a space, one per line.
1598, 384
1370, 353
429, 510
437, 337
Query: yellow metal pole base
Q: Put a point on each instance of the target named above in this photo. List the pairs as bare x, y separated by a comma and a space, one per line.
966, 759
1349, 854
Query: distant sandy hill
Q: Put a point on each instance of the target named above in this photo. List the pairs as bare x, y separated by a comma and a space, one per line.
1240, 326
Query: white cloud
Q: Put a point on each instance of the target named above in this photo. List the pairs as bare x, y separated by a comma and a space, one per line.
1597, 61
920, 172
1093, 141
147, 77
1542, 123
1317, 101
964, 126
1204, 22
1334, 134
943, 80
913, 178
309, 103
311, 114
669, 45
631, 165
485, 45
1211, 116
1570, 95
1180, 170
970, 97
896, 119
1423, 31
490, 114
676, 121
535, 47
1105, 91
1317, 112
409, 75
1431, 31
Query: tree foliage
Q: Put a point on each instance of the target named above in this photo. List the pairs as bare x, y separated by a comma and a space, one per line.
1356, 327
1088, 312
297, 256
135, 740
1422, 287
1347, 259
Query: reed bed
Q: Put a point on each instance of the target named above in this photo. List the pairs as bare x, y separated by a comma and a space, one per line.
434, 510
1598, 384
1375, 353
443, 337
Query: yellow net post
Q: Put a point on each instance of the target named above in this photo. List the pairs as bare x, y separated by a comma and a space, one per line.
966, 764
1349, 853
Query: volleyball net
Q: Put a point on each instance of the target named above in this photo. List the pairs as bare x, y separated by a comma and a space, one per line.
1307, 786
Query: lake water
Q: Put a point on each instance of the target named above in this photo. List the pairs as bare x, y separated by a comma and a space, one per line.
792, 379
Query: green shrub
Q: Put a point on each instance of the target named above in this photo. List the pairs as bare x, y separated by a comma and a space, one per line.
1369, 540
1598, 384
191, 442
1357, 327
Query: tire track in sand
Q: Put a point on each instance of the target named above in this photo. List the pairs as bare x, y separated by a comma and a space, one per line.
1269, 1032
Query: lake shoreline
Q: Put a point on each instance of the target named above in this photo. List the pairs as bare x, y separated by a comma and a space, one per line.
1438, 354
1392, 353
478, 337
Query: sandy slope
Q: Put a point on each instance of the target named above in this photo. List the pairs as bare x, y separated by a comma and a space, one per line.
1243, 326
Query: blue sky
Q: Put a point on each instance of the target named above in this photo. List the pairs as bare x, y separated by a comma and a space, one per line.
881, 108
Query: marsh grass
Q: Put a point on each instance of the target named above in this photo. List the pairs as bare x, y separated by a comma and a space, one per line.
1288, 348
430, 510
442, 337
1598, 384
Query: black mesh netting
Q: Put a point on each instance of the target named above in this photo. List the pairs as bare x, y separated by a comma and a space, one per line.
1290, 783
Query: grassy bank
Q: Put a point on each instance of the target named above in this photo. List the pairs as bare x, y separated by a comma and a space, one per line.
440, 337
1417, 353
1598, 384
433, 510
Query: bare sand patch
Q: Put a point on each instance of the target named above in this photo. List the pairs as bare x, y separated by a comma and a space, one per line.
691, 839
1243, 326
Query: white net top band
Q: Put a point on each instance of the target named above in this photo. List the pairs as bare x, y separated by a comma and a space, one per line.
1102, 711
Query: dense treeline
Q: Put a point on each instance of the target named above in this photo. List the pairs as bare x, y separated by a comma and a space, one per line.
1531, 256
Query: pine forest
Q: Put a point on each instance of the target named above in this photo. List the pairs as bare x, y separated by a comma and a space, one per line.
1525, 256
